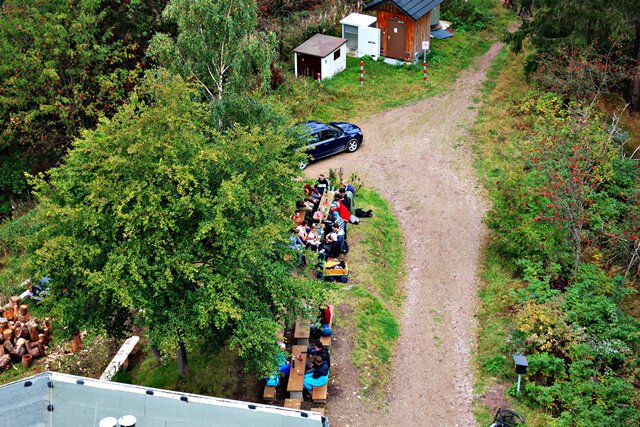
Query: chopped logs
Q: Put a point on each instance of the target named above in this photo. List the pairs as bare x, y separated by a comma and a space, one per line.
22, 338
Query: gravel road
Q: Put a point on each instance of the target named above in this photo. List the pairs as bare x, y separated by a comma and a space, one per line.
419, 158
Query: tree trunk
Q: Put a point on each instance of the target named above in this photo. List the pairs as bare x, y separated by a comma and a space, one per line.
156, 353
183, 367
576, 265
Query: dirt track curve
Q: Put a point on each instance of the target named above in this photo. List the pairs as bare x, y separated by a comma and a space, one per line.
418, 157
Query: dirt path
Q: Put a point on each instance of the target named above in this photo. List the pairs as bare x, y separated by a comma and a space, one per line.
419, 158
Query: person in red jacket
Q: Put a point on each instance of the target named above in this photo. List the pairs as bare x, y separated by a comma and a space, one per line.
342, 210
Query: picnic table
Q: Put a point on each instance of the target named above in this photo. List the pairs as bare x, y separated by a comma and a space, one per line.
296, 374
302, 331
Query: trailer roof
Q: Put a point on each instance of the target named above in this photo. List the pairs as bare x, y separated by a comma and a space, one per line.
53, 399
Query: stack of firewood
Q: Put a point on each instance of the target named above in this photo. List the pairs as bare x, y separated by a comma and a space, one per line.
22, 338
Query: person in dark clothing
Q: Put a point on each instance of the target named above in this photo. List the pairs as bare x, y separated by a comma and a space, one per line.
344, 199
331, 248
317, 376
318, 349
322, 184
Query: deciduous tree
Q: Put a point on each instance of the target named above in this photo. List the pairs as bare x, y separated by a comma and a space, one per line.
217, 45
63, 64
155, 219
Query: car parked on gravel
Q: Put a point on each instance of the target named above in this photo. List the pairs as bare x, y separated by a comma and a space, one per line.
326, 139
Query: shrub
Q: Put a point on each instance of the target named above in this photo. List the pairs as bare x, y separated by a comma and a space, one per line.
468, 14
581, 73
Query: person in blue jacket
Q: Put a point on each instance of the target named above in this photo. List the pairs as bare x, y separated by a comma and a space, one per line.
317, 376
283, 366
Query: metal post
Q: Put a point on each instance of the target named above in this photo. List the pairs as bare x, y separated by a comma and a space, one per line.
319, 80
361, 73
518, 389
424, 71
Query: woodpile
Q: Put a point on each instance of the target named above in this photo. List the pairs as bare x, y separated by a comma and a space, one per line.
22, 338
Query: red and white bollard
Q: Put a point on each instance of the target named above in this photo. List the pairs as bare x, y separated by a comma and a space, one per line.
361, 73
319, 80
424, 71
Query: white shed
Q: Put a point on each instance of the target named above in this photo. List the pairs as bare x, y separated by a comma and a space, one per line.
363, 38
322, 54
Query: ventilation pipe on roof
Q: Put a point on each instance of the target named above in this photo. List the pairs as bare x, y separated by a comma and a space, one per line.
108, 422
127, 421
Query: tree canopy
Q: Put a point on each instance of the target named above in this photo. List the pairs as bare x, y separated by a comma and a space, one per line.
63, 65
157, 220
217, 45
556, 25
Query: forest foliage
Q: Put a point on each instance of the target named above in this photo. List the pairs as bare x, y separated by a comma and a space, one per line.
565, 222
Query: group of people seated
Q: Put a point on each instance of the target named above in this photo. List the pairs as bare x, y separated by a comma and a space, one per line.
319, 363
326, 236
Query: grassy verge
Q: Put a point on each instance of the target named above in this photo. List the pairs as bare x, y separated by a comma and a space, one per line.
497, 128
374, 293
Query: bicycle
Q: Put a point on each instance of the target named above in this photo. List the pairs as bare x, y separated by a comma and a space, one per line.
507, 418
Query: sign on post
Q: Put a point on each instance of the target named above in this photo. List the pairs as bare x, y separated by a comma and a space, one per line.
425, 48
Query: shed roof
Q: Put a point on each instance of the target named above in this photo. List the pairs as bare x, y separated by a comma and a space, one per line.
320, 45
51, 399
358, 20
416, 9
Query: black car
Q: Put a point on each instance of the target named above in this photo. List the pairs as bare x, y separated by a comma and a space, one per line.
326, 139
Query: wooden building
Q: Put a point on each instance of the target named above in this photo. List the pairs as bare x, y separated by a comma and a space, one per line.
405, 24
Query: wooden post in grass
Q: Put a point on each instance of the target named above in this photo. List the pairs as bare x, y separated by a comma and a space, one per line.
361, 73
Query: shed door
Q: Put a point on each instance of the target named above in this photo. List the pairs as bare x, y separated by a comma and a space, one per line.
308, 66
396, 33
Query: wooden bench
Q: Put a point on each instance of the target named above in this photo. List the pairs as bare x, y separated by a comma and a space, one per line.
269, 394
326, 341
299, 216
319, 410
319, 394
293, 403
121, 359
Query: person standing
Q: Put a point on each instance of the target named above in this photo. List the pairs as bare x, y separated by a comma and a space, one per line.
322, 185
350, 194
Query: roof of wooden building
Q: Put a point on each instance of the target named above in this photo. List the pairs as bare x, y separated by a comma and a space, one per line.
320, 45
416, 9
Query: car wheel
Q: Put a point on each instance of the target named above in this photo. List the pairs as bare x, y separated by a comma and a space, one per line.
352, 145
303, 165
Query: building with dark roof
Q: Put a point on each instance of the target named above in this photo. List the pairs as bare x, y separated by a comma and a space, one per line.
405, 25
321, 55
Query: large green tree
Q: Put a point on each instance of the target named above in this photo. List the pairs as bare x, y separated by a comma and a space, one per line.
62, 65
217, 45
157, 220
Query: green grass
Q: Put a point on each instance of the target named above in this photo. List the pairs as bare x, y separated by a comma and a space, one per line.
374, 293
386, 86
493, 364
211, 372
497, 131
